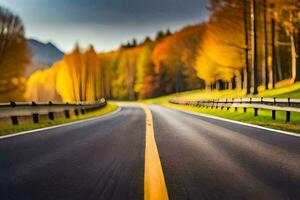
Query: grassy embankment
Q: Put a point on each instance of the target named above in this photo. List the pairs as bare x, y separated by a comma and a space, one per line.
264, 117
9, 129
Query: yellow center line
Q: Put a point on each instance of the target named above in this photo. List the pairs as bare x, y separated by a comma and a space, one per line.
154, 181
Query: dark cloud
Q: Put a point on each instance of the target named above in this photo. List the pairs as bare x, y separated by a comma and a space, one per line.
125, 11
104, 23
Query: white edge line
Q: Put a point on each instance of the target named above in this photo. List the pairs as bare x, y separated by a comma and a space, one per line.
60, 125
237, 122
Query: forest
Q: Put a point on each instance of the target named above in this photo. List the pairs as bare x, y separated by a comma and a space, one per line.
252, 45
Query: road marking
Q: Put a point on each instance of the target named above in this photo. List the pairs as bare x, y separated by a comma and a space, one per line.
154, 182
237, 122
60, 125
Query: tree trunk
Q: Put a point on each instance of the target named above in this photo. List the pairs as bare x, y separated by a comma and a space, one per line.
233, 82
254, 47
278, 70
86, 83
243, 79
218, 85
239, 81
266, 47
294, 58
248, 77
274, 63
96, 84
298, 57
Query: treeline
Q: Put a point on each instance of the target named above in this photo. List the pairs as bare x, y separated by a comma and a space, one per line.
245, 44
250, 43
134, 71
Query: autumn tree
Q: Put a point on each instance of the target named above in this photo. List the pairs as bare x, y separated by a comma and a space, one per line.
174, 59
145, 85
221, 56
93, 75
73, 62
287, 14
14, 56
161, 35
51, 84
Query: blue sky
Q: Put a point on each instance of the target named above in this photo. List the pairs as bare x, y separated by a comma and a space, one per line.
103, 23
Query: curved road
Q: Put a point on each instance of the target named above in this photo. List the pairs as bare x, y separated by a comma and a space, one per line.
103, 158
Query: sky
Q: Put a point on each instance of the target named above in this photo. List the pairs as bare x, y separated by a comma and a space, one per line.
104, 23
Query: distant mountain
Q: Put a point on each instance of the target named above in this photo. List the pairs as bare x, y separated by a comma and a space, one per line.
43, 55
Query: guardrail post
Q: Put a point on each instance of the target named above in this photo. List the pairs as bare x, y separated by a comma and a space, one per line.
255, 112
76, 112
261, 100
35, 117
224, 105
288, 116
67, 114
14, 120
273, 114
12, 103
274, 101
245, 109
289, 101
51, 115
228, 107
250, 100
82, 111
235, 109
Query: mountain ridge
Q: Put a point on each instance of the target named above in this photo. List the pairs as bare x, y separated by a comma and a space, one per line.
44, 55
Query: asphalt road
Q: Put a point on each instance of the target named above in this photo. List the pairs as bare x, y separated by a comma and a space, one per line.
205, 158
202, 158
99, 159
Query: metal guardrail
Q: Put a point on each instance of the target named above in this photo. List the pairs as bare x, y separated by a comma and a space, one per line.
14, 110
287, 105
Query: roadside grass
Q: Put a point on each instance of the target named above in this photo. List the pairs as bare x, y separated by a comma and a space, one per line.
9, 129
264, 117
292, 91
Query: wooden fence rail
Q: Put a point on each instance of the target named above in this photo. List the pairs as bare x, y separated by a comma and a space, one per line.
274, 104
15, 110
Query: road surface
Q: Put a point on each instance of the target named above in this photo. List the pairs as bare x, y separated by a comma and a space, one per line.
104, 158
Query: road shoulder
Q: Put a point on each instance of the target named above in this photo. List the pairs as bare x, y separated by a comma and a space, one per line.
195, 113
12, 131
